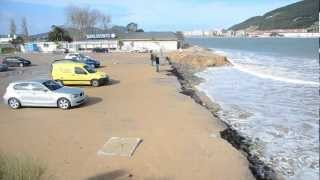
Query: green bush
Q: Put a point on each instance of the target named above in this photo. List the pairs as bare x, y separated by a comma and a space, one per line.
7, 50
21, 168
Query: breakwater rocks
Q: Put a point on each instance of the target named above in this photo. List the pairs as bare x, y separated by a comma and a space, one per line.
185, 71
198, 58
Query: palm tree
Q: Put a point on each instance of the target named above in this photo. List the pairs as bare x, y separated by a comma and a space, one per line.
58, 34
17, 41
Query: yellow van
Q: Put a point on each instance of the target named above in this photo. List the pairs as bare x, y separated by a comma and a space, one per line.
69, 72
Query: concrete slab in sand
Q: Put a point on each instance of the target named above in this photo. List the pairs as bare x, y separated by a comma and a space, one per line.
117, 146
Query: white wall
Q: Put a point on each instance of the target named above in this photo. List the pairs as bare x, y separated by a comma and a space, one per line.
150, 45
5, 39
73, 46
47, 46
42, 46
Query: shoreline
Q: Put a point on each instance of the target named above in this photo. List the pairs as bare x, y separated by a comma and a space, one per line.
187, 79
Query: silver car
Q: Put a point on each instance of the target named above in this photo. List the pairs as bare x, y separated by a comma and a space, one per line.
46, 93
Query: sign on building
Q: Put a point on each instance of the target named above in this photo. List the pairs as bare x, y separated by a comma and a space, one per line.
100, 36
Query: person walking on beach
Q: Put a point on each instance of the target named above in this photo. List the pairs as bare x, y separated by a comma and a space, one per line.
152, 56
157, 63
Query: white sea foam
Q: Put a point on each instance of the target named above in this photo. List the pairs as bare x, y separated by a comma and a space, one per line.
259, 72
252, 63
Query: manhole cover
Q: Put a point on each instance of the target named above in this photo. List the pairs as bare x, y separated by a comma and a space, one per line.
117, 146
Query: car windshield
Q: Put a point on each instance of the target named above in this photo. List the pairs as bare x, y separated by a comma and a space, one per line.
52, 85
89, 69
81, 56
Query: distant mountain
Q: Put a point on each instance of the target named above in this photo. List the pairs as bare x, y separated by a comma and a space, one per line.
303, 14
119, 29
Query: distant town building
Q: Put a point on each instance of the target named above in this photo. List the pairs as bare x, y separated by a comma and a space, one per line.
129, 41
6, 38
214, 33
156, 41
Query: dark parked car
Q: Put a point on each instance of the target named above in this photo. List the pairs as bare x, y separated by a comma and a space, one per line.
91, 62
83, 59
3, 67
15, 61
100, 50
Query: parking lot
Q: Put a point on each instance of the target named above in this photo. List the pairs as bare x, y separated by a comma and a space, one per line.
64, 139
139, 102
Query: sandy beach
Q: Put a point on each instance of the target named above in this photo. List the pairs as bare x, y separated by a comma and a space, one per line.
180, 138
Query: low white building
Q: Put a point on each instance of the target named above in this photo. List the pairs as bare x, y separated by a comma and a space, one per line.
110, 44
130, 41
6, 38
155, 41
47, 46
40, 46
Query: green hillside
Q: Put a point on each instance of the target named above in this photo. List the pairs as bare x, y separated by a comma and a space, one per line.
303, 14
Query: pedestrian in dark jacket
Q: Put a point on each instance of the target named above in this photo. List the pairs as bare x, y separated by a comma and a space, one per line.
152, 57
157, 63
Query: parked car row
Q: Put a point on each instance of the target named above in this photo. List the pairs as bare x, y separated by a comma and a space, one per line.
13, 61
3, 67
100, 50
140, 50
83, 59
54, 93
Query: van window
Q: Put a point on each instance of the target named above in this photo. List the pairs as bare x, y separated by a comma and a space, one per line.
78, 70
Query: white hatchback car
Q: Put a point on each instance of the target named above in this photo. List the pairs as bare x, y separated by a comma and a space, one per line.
47, 93
74, 56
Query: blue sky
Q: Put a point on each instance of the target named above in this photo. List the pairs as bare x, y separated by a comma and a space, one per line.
151, 15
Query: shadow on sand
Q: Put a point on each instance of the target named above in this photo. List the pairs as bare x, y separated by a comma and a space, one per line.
113, 175
113, 82
91, 101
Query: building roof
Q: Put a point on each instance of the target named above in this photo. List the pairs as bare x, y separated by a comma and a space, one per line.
99, 31
3, 36
161, 36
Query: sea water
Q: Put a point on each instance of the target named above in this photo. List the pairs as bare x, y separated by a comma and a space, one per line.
271, 96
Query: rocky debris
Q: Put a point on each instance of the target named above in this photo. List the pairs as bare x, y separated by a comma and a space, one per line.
258, 168
185, 74
198, 58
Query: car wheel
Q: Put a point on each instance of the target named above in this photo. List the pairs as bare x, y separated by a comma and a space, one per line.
21, 64
95, 83
64, 103
14, 103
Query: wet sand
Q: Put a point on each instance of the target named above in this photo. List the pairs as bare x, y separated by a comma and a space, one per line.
180, 138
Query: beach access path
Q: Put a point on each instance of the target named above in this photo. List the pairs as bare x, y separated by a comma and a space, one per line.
180, 138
